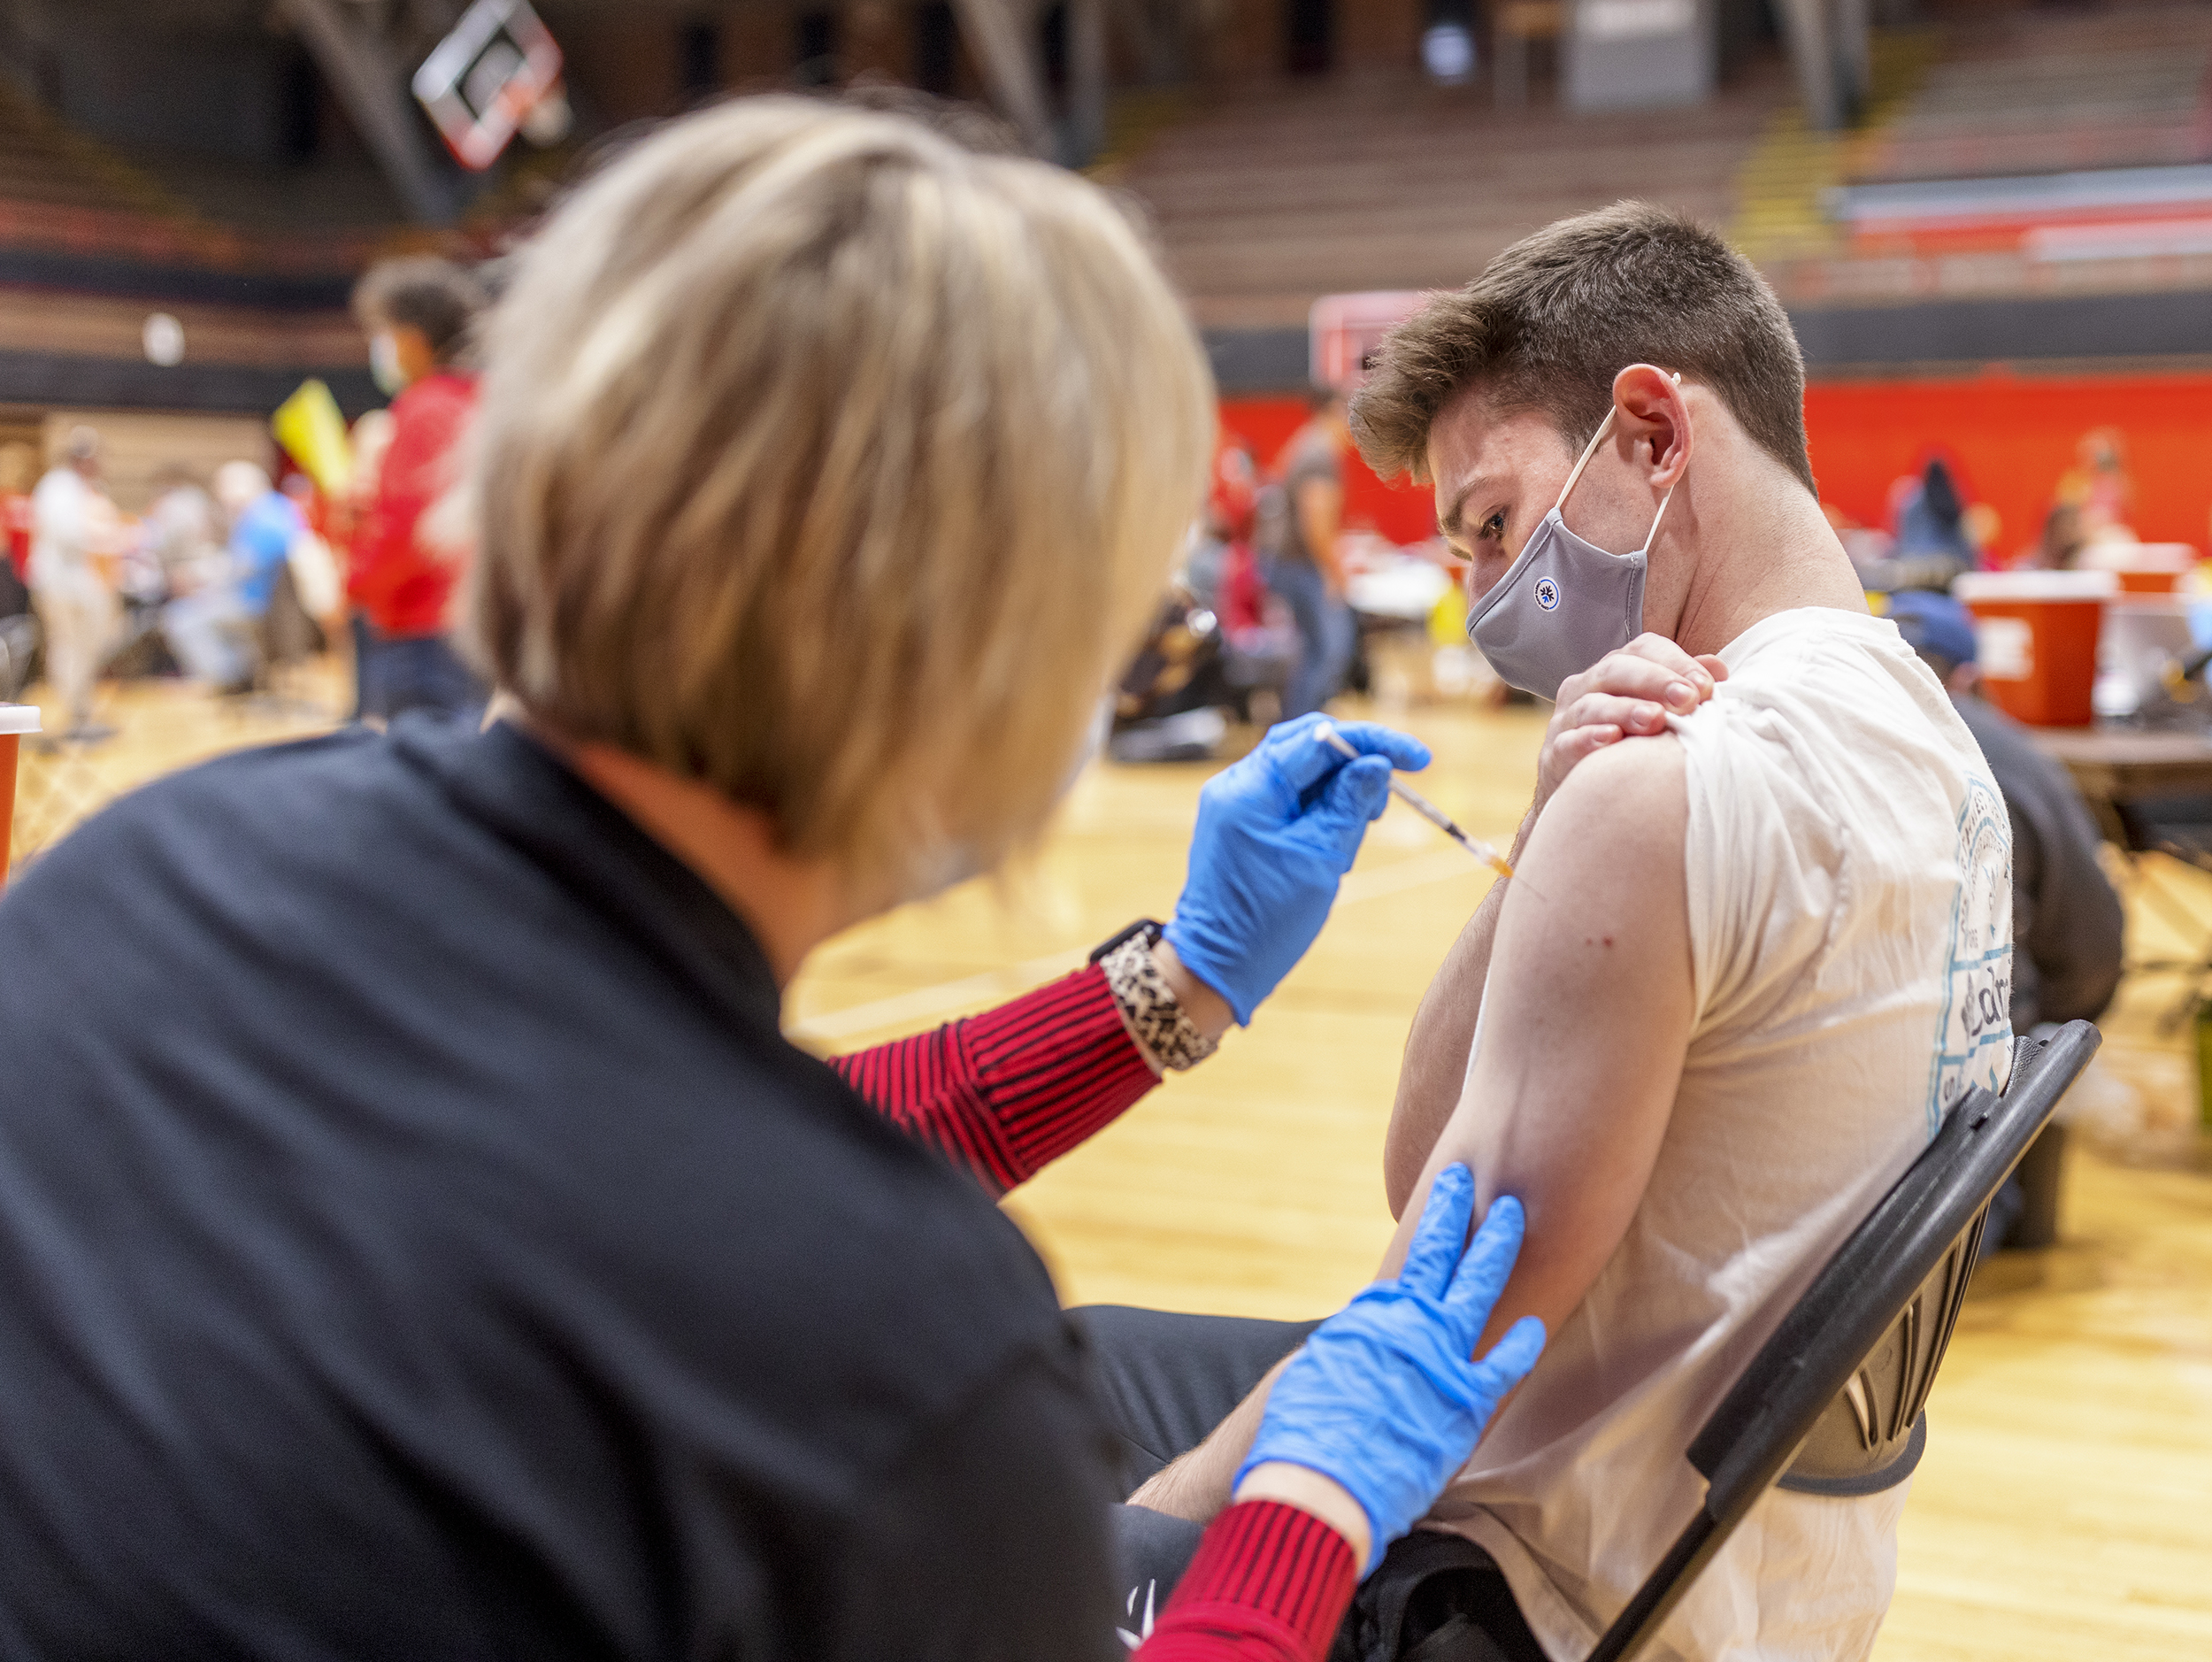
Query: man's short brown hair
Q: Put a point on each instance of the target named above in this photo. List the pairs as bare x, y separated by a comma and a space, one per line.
1554, 318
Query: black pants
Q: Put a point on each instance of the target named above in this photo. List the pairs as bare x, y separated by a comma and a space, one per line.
1164, 1381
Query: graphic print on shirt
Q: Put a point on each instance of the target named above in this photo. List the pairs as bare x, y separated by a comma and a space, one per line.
1974, 1036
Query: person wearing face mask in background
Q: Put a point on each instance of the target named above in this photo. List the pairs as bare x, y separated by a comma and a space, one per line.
418, 313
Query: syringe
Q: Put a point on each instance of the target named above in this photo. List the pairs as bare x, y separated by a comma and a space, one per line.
1428, 810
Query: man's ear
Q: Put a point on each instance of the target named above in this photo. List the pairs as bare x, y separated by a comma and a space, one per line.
1653, 417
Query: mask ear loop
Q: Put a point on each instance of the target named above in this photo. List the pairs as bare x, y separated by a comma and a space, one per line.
1588, 450
1591, 448
1645, 550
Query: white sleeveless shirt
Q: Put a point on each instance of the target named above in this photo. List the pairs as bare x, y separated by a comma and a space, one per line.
1849, 868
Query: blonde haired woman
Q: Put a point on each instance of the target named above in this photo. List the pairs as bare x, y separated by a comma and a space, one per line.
423, 1242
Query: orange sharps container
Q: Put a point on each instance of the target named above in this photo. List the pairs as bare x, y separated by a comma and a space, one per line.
15, 721
2037, 633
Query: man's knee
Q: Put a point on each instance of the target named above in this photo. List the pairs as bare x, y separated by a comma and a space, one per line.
1166, 1379
1151, 1551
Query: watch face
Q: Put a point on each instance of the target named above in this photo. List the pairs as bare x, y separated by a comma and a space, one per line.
1148, 929
1547, 594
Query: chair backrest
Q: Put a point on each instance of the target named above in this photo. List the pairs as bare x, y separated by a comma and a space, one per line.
1845, 1376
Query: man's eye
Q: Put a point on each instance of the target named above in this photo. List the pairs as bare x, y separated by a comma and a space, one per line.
1495, 526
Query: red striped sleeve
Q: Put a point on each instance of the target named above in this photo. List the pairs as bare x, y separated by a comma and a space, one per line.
1270, 1583
1006, 1093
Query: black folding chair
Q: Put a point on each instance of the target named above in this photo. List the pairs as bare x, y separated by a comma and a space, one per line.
1836, 1396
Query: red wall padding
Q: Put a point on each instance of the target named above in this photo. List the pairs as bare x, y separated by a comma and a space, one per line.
1403, 514
2009, 437
2012, 437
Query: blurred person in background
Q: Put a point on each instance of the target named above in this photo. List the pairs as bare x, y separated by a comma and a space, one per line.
2068, 926
318, 584
2067, 922
2060, 546
75, 527
179, 532
1932, 532
18, 629
2100, 486
213, 629
18, 472
348, 522
1224, 538
1298, 521
457, 1242
419, 313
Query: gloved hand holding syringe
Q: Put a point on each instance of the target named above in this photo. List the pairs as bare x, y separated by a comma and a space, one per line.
1326, 734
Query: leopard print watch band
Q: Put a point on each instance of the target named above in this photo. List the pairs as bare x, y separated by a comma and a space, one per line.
1150, 1009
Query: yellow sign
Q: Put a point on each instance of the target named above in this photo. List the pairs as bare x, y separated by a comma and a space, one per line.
313, 433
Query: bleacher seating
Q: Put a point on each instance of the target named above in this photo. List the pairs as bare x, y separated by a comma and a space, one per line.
62, 193
2004, 145
1269, 198
48, 163
2048, 91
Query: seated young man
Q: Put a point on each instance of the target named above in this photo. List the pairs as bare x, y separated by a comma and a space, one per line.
1753, 954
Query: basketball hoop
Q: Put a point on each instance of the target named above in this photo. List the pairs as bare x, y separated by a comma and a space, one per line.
1344, 330
489, 79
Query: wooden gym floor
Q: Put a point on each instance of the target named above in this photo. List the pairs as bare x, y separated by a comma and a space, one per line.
2065, 1509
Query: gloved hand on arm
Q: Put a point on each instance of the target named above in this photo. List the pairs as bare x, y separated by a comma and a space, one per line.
1277, 831
1385, 1400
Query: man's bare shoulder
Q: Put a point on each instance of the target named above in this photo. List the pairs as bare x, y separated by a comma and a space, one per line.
1624, 809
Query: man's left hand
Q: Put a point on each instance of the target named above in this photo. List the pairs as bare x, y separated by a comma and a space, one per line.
1626, 694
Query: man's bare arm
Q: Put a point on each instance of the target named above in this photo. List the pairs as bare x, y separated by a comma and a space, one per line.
1628, 694
1434, 1070
1582, 1052
1588, 1023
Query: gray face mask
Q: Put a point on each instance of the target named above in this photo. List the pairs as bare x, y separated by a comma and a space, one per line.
1564, 604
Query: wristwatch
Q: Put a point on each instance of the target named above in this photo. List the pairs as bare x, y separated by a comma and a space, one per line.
1150, 1009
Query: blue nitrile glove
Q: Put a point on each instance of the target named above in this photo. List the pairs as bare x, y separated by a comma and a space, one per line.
1276, 832
1384, 1398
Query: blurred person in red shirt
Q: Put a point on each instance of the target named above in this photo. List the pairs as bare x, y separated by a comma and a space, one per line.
1234, 492
418, 313
18, 470
1239, 596
371, 436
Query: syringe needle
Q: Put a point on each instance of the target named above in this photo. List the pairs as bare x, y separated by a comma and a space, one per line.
1429, 810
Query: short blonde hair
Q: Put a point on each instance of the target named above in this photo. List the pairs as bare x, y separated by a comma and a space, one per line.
835, 466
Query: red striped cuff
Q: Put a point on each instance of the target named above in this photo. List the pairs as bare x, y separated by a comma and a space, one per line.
1057, 1065
1270, 1582
1006, 1093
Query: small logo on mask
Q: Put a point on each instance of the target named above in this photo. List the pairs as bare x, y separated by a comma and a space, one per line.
1547, 594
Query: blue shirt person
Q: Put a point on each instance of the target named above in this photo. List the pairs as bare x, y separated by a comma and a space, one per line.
210, 630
